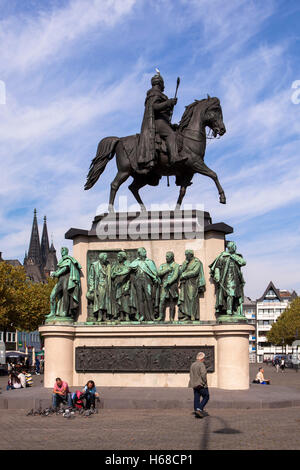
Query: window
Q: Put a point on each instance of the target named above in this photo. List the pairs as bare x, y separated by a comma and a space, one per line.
271, 293
10, 337
1, 335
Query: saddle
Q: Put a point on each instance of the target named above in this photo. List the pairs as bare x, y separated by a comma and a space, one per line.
130, 146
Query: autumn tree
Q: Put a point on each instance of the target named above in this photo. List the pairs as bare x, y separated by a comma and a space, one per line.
36, 305
286, 329
12, 282
23, 303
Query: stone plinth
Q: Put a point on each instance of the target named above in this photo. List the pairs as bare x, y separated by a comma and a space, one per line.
230, 343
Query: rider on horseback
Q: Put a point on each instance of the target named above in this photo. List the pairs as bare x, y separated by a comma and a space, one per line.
157, 118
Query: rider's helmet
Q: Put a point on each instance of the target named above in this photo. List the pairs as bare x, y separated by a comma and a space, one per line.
157, 79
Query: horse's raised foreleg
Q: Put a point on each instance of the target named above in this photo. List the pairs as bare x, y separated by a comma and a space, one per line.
134, 187
119, 179
204, 170
182, 192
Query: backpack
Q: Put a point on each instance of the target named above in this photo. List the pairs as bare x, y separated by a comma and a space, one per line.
77, 398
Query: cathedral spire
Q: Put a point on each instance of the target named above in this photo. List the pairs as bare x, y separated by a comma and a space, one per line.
34, 252
44, 243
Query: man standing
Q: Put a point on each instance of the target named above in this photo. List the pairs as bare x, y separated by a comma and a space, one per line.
198, 381
37, 366
157, 116
99, 288
145, 280
169, 274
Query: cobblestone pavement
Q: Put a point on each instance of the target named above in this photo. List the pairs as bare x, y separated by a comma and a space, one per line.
154, 429
289, 377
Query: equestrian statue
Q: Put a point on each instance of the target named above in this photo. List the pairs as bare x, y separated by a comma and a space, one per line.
161, 148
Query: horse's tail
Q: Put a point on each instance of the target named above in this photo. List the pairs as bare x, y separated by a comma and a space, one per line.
105, 152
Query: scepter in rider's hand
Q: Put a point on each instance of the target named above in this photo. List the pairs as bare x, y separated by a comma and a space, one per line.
177, 85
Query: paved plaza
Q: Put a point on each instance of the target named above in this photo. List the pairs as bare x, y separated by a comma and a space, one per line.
158, 428
276, 429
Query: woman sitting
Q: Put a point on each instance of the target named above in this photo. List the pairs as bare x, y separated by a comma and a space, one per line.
13, 382
90, 394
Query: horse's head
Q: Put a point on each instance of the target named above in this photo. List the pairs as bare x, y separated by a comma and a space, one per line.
213, 116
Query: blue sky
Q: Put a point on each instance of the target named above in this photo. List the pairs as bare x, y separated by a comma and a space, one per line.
77, 71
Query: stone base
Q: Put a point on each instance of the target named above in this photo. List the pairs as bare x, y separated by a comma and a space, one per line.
231, 319
230, 343
59, 321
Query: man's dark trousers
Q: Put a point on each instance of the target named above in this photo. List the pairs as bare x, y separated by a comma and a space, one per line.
200, 392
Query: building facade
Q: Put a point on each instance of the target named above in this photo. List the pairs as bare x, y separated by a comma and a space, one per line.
269, 307
249, 308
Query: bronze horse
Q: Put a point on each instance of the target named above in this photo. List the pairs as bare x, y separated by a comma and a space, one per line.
191, 141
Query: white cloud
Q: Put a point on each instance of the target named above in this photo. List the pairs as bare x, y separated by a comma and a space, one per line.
27, 42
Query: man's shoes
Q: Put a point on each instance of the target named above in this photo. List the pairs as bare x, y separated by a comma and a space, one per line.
205, 413
199, 414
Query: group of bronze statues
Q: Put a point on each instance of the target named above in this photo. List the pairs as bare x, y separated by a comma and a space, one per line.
138, 291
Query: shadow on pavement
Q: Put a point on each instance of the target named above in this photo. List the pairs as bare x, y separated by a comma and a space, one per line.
207, 434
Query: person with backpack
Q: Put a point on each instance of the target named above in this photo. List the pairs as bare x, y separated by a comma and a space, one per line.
77, 400
90, 394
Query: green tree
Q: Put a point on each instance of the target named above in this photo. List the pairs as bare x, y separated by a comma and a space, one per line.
12, 282
288, 324
23, 304
36, 305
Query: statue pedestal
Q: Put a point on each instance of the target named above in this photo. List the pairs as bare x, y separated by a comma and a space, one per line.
149, 354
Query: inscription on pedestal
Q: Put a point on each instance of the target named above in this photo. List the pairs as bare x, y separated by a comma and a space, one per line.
141, 359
